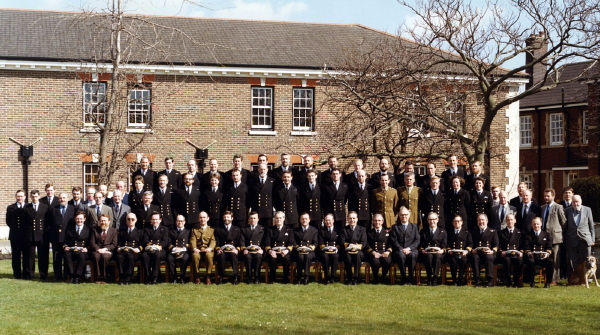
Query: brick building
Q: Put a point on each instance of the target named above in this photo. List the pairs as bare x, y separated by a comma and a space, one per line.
235, 86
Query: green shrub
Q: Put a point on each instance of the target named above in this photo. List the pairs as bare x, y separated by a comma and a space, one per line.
589, 189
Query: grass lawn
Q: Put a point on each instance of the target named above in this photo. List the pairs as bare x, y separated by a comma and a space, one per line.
34, 307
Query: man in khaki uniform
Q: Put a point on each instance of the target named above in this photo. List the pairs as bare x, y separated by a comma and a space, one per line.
203, 243
384, 201
409, 197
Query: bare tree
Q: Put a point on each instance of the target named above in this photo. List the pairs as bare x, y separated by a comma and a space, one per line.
445, 89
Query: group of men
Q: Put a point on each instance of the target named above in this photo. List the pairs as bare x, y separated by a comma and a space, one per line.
299, 214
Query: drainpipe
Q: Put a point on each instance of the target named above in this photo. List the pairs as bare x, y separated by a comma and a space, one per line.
539, 149
567, 125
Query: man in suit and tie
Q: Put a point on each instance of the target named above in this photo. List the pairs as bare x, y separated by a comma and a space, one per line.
213, 166
145, 211
120, 185
279, 241
433, 199
162, 199
103, 243
129, 248
76, 200
120, 211
579, 234
62, 219
500, 212
352, 178
76, 248
285, 199
359, 198
335, 195
460, 244
384, 166
384, 201
300, 174
51, 201
353, 241
510, 254
306, 238
309, 199
146, 173
155, 241
481, 200
19, 242
173, 176
553, 221
425, 181
485, 244
526, 212
432, 237
89, 199
236, 195
238, 161
229, 241
405, 239
517, 201
329, 249
212, 202
567, 197
253, 248
477, 172
178, 251
260, 191
453, 170
186, 202
409, 167
202, 241
94, 211
408, 196
196, 176
277, 173
326, 175
538, 249
35, 225
379, 250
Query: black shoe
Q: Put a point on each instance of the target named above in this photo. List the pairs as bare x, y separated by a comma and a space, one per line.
355, 282
43, 277
256, 280
532, 285
547, 285
154, 280
477, 283
72, 280
76, 281
490, 284
219, 281
285, 281
298, 282
305, 281
348, 282
236, 280
508, 284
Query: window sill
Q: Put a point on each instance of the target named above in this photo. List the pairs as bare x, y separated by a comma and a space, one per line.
262, 132
139, 131
303, 133
89, 129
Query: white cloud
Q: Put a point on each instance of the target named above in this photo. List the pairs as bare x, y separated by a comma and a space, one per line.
260, 10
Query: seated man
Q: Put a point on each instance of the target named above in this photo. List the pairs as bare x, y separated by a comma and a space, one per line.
329, 249
129, 248
179, 242
404, 239
253, 236
279, 241
155, 241
203, 243
460, 243
76, 243
103, 243
538, 248
379, 250
306, 237
511, 255
228, 246
485, 242
353, 241
433, 244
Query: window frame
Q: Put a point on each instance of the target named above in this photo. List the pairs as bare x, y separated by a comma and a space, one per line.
88, 170
86, 109
526, 178
556, 133
258, 107
304, 109
525, 133
148, 104
584, 127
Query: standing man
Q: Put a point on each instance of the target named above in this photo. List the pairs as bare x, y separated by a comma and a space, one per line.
500, 211
19, 242
229, 241
352, 178
306, 238
120, 185
203, 244
186, 202
553, 221
326, 175
353, 240
579, 235
335, 195
173, 176
178, 251
538, 248
409, 167
94, 211
162, 199
384, 166
103, 243
329, 249
75, 247
300, 174
155, 241
495, 196
477, 172
309, 199
408, 196
145, 211
146, 173
404, 239
253, 248
120, 211
62, 220
526, 212
35, 214
511, 251
285, 199
279, 241
567, 197
426, 179
457, 201
237, 198
277, 173
433, 199
379, 250
481, 200
212, 202
517, 201
44, 251
359, 198
453, 170
384, 201
196, 177
76, 200
486, 243
432, 246
260, 191
213, 166
237, 166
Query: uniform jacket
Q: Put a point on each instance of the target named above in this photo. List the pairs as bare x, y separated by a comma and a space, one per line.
309, 201
287, 201
60, 224
261, 196
334, 201
378, 242
410, 201
359, 200
72, 239
165, 205
159, 236
203, 239
35, 221
279, 238
429, 203
386, 204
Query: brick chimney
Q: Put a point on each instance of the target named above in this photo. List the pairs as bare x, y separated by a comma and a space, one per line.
538, 45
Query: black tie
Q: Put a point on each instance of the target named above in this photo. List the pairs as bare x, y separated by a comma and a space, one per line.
78, 230
62, 211
502, 214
